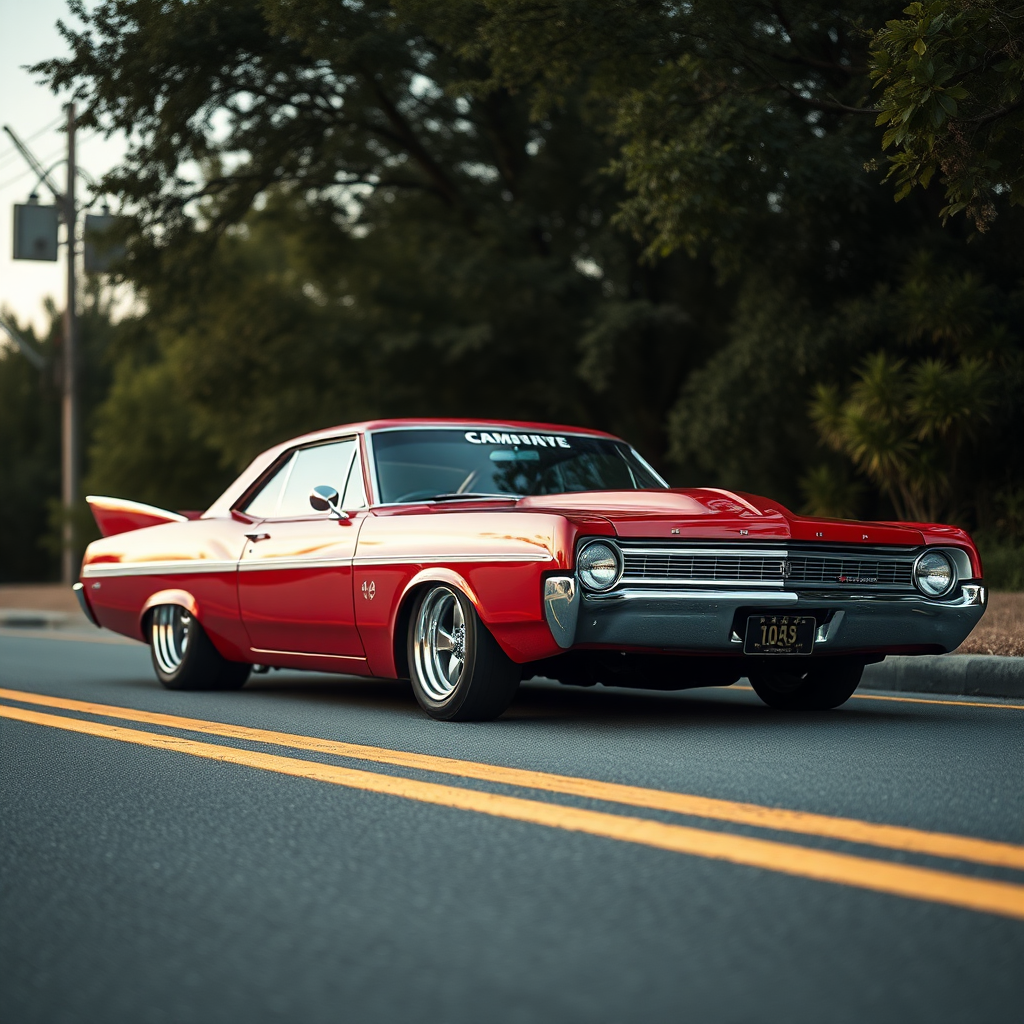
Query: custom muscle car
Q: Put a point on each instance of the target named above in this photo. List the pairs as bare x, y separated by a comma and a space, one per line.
468, 555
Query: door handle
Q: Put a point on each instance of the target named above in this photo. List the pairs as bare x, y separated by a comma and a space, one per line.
258, 536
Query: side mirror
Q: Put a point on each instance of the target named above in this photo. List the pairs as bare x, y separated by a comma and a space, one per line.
324, 498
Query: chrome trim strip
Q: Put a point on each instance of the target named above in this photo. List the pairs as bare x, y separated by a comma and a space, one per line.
697, 595
269, 563
179, 568
444, 559
970, 594
79, 592
307, 654
740, 550
640, 581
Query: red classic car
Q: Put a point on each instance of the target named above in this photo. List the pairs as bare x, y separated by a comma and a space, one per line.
467, 555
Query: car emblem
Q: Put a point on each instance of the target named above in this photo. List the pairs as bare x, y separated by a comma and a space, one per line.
369, 589
787, 569
856, 579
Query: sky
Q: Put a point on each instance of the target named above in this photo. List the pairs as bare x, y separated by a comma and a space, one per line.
28, 34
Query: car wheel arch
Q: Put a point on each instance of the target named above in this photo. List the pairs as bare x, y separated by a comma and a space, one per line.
404, 606
178, 597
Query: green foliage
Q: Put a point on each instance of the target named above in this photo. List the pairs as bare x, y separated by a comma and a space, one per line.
1003, 563
29, 461
829, 491
924, 428
741, 125
648, 217
952, 75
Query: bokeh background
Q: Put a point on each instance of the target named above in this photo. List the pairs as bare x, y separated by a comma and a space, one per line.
675, 222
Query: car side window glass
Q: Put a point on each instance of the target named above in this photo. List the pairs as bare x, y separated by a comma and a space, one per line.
355, 494
267, 499
324, 464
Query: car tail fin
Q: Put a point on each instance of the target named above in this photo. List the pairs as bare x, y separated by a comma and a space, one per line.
118, 515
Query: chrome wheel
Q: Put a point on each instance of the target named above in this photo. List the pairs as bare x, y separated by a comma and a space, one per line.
170, 629
439, 643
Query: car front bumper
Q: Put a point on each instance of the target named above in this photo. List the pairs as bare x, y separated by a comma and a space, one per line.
713, 621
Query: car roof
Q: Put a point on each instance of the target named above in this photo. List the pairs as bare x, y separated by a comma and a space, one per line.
223, 504
366, 426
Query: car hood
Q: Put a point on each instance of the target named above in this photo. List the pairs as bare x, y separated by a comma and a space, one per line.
710, 512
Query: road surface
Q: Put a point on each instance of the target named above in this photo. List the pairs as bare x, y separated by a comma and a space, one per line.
313, 848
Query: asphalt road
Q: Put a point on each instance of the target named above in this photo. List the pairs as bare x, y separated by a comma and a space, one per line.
177, 874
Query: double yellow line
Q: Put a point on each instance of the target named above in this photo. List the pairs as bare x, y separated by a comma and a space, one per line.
981, 894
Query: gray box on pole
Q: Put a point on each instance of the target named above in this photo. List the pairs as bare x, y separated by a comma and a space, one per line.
35, 232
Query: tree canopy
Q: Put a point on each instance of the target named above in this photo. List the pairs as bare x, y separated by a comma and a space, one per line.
670, 221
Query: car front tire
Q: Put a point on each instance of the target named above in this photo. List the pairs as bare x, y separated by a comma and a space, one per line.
458, 671
184, 656
817, 687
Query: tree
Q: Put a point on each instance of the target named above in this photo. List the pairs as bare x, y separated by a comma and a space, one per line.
952, 75
642, 216
924, 417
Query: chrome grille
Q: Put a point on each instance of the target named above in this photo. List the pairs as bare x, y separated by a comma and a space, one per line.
765, 568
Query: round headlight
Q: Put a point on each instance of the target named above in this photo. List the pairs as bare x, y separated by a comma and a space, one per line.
934, 574
598, 566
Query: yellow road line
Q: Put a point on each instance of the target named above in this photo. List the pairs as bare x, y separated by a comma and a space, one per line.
977, 894
894, 837
917, 700
928, 700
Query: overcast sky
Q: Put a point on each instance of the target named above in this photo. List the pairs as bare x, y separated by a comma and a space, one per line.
28, 34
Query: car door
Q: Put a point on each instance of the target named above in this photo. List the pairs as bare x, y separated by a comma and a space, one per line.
295, 574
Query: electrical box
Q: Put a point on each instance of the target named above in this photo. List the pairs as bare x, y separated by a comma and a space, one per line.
103, 248
35, 232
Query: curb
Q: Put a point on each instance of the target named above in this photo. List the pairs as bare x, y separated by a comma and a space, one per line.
29, 618
974, 675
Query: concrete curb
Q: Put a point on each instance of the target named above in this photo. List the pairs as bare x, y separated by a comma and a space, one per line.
22, 618
975, 675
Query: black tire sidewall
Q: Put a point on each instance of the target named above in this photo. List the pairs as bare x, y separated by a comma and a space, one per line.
202, 666
820, 686
486, 687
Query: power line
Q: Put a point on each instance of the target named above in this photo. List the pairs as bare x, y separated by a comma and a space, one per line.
9, 158
45, 160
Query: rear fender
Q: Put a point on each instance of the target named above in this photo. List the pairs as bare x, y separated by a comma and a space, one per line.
178, 597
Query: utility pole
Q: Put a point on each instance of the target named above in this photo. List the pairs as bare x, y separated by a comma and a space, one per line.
69, 398
39, 246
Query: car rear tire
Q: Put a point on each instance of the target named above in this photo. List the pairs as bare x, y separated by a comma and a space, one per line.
184, 656
817, 687
458, 671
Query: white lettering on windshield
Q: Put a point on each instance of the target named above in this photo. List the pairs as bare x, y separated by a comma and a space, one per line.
534, 440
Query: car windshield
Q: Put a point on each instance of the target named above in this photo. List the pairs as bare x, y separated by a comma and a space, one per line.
437, 464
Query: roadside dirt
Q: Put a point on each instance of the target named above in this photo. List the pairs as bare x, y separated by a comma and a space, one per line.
1001, 631
40, 597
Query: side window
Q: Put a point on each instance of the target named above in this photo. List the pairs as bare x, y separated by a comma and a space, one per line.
268, 497
286, 494
325, 464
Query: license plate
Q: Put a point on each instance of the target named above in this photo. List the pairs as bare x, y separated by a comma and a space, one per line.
779, 634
